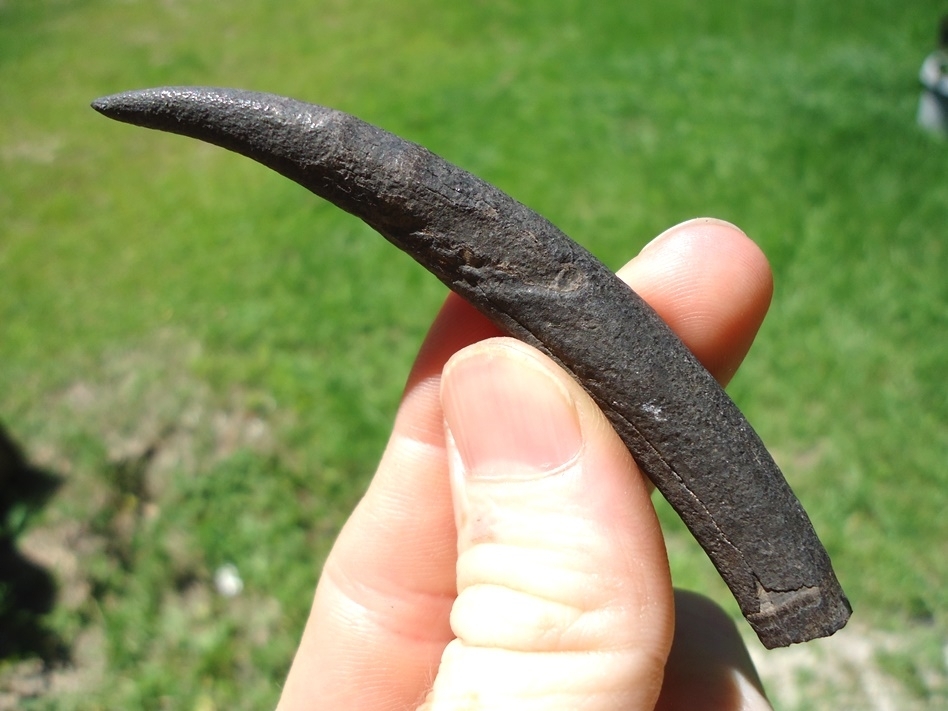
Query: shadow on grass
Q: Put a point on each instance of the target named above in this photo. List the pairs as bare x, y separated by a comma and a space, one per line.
27, 591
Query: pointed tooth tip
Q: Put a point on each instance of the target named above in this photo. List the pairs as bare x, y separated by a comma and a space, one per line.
113, 104
102, 104
125, 106
136, 101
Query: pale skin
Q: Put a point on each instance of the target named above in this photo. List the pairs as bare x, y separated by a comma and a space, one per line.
506, 554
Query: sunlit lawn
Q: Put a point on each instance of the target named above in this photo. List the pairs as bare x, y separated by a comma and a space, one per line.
209, 358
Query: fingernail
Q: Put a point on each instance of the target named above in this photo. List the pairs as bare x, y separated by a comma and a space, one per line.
508, 415
692, 223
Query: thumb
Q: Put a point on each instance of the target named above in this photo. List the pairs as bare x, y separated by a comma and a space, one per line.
564, 598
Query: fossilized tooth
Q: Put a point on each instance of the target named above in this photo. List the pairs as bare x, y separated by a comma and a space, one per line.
538, 285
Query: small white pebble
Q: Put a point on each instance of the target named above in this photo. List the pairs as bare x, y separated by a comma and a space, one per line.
227, 580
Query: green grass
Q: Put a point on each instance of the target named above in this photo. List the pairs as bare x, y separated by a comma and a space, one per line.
210, 357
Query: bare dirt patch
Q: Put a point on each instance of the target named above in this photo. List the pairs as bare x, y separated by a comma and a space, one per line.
149, 419
858, 669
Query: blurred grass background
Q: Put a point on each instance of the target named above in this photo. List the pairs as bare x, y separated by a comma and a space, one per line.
208, 358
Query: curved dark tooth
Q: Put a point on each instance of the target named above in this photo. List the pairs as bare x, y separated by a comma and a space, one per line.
538, 285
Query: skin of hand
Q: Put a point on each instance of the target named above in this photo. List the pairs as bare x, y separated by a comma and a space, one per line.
506, 554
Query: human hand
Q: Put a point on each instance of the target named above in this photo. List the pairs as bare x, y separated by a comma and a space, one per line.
506, 554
